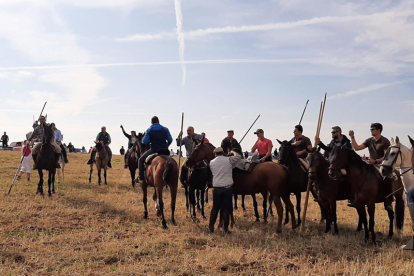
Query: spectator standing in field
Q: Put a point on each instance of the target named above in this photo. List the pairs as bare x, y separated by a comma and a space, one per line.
5, 140
27, 160
121, 151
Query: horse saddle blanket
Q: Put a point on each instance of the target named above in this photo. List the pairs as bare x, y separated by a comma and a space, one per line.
151, 157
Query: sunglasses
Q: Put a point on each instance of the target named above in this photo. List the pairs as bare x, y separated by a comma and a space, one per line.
333, 132
373, 129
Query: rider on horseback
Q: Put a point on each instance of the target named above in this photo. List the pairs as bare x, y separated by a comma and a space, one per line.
264, 147
104, 137
377, 146
301, 144
132, 139
38, 135
157, 137
230, 143
188, 143
338, 139
58, 139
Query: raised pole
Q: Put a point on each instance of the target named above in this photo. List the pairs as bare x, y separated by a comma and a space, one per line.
303, 112
249, 129
181, 141
318, 129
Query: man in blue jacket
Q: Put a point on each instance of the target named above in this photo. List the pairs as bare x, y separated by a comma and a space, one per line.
157, 137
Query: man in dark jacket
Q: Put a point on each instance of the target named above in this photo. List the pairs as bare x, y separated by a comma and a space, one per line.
338, 139
132, 139
230, 143
157, 137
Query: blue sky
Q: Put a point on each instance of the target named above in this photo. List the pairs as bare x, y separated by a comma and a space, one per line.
222, 63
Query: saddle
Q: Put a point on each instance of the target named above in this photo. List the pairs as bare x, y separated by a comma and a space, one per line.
164, 152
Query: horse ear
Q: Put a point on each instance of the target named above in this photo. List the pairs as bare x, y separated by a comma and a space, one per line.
411, 140
280, 142
392, 141
397, 140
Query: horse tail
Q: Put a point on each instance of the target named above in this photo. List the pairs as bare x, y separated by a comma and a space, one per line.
168, 170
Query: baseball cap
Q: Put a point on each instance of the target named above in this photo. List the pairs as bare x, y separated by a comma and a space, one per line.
259, 130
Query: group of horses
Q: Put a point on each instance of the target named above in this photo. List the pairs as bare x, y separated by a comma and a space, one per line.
274, 181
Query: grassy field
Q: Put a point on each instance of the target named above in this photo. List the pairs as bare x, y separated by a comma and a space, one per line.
86, 229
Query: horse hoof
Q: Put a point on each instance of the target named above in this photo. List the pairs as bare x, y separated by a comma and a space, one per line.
279, 230
244, 208
173, 222
286, 222
257, 221
164, 225
204, 217
235, 208
232, 225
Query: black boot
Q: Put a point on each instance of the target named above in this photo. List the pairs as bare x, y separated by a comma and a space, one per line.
34, 161
109, 164
57, 156
213, 219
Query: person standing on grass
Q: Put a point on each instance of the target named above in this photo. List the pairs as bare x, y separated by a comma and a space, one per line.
4, 140
27, 160
222, 170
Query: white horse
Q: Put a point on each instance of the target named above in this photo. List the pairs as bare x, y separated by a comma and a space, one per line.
399, 156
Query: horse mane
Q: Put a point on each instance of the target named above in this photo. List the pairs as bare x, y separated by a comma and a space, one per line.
291, 152
355, 159
324, 163
141, 146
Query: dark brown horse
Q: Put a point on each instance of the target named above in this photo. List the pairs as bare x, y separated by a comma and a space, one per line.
45, 160
368, 188
264, 178
133, 162
197, 179
160, 173
298, 176
328, 190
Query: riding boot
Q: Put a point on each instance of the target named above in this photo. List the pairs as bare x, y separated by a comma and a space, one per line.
57, 156
213, 219
34, 161
109, 164
184, 176
411, 209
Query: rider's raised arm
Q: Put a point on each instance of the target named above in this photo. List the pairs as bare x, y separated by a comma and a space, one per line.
355, 145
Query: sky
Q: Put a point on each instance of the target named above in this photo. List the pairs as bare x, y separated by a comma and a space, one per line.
222, 63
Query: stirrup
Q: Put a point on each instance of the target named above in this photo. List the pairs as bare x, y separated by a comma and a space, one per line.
89, 162
109, 165
57, 165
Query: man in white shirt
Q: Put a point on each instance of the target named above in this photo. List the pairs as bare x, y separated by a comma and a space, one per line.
221, 168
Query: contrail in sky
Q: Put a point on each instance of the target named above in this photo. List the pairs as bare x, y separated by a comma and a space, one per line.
180, 36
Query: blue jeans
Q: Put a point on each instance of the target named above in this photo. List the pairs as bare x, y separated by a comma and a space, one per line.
222, 201
141, 162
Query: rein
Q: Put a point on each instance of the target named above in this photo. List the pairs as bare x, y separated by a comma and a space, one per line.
395, 160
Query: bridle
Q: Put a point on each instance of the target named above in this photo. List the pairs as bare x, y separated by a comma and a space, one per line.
395, 160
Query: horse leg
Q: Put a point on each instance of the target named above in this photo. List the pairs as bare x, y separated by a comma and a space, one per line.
371, 213
193, 201
202, 204
99, 176
132, 172
363, 217
264, 206
399, 212
243, 206
90, 173
49, 184
40, 185
157, 206
270, 206
279, 209
173, 191
256, 211
290, 209
106, 183
144, 198
161, 206
198, 199
187, 197
206, 194
325, 210
390, 212
287, 215
334, 217
298, 201
235, 202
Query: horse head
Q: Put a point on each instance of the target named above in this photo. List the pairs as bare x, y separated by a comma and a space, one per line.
287, 153
99, 146
338, 159
140, 146
397, 155
316, 163
411, 141
47, 134
200, 152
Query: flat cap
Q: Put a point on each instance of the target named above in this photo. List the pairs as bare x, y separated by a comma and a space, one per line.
219, 149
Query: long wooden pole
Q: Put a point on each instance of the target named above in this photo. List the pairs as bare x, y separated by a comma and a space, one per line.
181, 141
303, 112
318, 129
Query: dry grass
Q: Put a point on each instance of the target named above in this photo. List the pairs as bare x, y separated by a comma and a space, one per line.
86, 229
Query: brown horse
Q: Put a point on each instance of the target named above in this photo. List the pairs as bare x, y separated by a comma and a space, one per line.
368, 188
328, 190
264, 178
101, 161
133, 163
160, 173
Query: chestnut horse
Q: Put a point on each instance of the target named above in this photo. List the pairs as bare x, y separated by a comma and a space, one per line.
368, 188
101, 161
161, 172
264, 178
133, 163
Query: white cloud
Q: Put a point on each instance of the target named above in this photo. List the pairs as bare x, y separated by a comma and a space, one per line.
369, 88
144, 37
